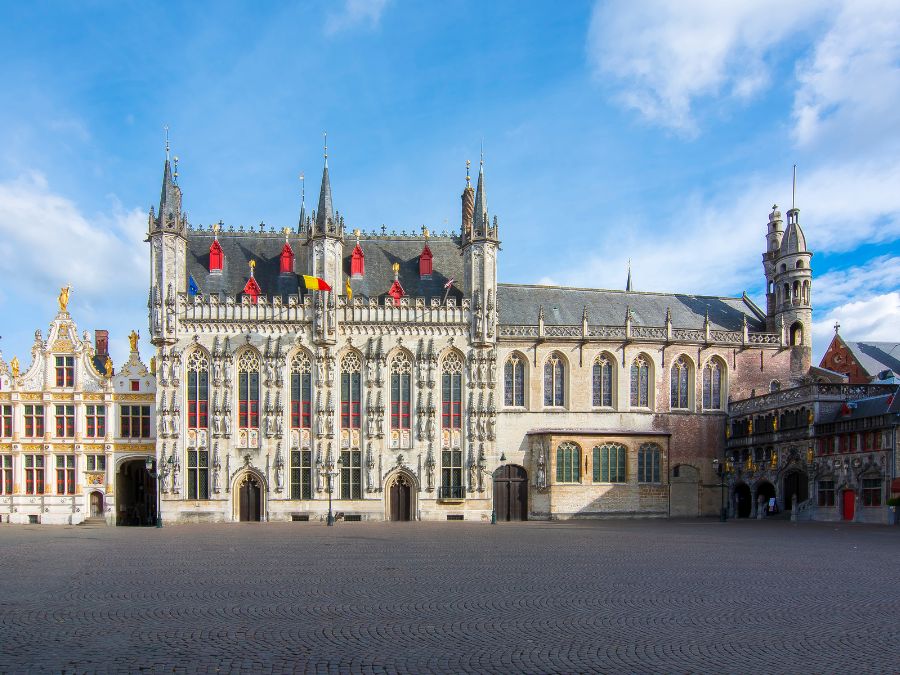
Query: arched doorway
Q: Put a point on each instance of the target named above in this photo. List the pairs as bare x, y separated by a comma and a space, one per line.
511, 493
249, 489
767, 491
848, 504
795, 483
96, 504
135, 494
400, 498
743, 500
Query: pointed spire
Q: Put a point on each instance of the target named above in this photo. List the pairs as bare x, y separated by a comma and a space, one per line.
628, 281
170, 195
302, 203
325, 212
481, 208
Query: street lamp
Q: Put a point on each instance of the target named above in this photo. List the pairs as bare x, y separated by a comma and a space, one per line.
329, 470
157, 476
721, 471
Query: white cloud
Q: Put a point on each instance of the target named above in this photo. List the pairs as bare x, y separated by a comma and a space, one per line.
876, 318
354, 13
877, 276
852, 79
45, 243
666, 55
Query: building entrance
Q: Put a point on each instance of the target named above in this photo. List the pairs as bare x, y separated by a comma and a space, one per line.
795, 483
96, 505
250, 498
511, 493
743, 501
401, 499
135, 494
849, 504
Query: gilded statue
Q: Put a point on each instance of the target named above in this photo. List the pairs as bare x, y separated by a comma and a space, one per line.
108, 367
133, 339
64, 298
14, 364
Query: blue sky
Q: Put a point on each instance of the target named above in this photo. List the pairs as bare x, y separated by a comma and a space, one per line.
660, 132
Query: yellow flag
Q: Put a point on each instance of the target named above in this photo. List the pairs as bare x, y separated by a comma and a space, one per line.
349, 290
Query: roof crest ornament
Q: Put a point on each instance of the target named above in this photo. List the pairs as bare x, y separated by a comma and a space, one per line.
252, 266
794, 190
166, 127
468, 178
325, 134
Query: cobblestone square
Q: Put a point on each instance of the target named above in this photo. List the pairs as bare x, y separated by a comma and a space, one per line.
635, 596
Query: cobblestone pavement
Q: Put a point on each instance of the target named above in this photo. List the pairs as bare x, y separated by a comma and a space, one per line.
638, 596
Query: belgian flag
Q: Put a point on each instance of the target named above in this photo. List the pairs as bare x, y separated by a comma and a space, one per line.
315, 284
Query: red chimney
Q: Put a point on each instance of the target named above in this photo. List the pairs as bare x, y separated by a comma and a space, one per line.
101, 341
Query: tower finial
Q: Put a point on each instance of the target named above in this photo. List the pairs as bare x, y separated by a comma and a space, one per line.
628, 281
166, 127
468, 179
482, 151
325, 134
175, 169
794, 190
302, 188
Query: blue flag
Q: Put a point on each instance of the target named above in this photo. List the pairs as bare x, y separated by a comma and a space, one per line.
193, 288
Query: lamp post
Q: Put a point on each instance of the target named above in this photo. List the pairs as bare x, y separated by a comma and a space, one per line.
329, 470
157, 476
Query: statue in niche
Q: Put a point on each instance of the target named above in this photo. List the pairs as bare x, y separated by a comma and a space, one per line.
227, 424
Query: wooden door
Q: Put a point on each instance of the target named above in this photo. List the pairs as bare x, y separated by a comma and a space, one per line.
401, 499
96, 505
249, 505
849, 504
511, 493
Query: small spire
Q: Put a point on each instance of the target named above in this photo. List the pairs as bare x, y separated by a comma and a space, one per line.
794, 190
628, 281
325, 212
302, 203
167, 141
468, 178
325, 134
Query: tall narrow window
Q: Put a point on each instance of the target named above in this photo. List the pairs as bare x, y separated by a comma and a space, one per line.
640, 383
554, 381
198, 474
351, 474
568, 463
65, 371
134, 421
301, 474
602, 383
95, 421
826, 493
65, 421
609, 463
514, 381
351, 374
96, 462
6, 474
34, 421
871, 492
65, 474
401, 370
649, 458
34, 474
198, 390
301, 393
680, 379
248, 390
6, 421
712, 385
451, 418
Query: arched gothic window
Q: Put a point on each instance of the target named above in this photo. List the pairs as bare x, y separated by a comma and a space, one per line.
712, 385
401, 370
797, 333
248, 390
301, 391
609, 463
640, 383
197, 390
451, 392
351, 369
514, 381
568, 463
681, 371
603, 382
554, 381
649, 459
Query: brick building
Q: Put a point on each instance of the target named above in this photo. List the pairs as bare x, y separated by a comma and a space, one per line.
862, 362
75, 434
435, 392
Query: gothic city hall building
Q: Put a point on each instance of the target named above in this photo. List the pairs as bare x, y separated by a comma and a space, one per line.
391, 377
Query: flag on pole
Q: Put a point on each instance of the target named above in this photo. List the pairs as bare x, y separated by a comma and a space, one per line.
193, 288
449, 283
349, 291
315, 284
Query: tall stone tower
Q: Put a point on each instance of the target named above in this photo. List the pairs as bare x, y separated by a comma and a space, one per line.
167, 234
480, 241
325, 238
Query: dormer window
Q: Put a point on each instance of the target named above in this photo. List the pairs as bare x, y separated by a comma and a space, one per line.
216, 257
287, 259
357, 262
251, 288
425, 263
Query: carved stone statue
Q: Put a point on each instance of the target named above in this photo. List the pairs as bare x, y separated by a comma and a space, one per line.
227, 422
217, 423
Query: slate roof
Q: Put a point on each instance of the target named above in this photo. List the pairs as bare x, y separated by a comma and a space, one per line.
869, 407
519, 305
876, 356
381, 252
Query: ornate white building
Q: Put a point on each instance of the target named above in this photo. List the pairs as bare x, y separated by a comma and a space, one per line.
74, 434
435, 392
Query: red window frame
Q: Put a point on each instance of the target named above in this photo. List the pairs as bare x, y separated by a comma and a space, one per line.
6, 421
65, 421
6, 474
65, 371
215, 256
95, 421
350, 400
451, 401
34, 421
301, 403
198, 399
34, 474
65, 474
248, 400
401, 384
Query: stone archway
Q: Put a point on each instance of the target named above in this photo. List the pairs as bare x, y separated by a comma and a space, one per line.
743, 500
794, 483
401, 490
95, 504
249, 502
765, 491
135, 493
